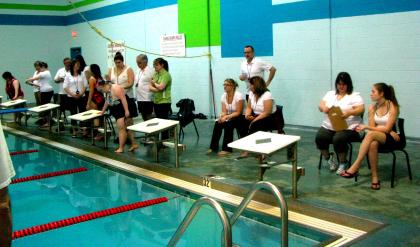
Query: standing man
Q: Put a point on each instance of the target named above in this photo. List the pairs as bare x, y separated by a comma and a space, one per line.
253, 66
59, 79
142, 81
6, 174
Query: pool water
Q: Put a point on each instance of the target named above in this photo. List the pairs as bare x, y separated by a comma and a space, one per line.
42, 201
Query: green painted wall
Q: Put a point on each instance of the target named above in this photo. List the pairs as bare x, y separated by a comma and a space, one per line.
192, 20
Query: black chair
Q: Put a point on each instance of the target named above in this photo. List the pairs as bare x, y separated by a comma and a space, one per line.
278, 120
185, 115
401, 147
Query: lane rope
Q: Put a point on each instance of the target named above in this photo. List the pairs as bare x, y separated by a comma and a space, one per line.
24, 152
47, 175
85, 217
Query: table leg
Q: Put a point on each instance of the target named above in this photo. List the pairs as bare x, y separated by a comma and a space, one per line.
57, 112
105, 133
155, 147
294, 172
50, 120
91, 131
176, 146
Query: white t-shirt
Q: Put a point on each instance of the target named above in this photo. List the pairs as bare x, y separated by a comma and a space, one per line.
6, 165
142, 80
236, 98
122, 80
256, 67
346, 103
35, 89
44, 81
61, 73
258, 106
74, 83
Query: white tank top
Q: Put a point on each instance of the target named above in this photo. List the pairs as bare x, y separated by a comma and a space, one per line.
382, 120
122, 80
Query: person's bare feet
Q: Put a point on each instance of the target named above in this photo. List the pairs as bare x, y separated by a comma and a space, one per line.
133, 147
119, 150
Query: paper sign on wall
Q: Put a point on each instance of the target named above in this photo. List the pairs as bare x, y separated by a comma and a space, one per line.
114, 47
172, 45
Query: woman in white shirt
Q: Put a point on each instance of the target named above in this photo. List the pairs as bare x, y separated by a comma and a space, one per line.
142, 81
43, 81
75, 87
383, 116
229, 119
352, 106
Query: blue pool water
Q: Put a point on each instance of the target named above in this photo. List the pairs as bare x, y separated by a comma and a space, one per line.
42, 201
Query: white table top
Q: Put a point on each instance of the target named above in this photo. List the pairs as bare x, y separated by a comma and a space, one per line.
44, 107
86, 115
277, 142
153, 125
12, 102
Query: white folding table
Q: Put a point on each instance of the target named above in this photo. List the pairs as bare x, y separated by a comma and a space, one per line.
154, 127
267, 143
90, 115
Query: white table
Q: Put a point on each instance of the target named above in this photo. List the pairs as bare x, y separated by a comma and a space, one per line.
11, 103
154, 127
90, 115
271, 143
49, 107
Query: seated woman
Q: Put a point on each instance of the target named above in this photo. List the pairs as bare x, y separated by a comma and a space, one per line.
259, 110
95, 99
121, 109
381, 131
352, 106
232, 107
13, 90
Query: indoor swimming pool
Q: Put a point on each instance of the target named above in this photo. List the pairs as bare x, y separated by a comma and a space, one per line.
56, 198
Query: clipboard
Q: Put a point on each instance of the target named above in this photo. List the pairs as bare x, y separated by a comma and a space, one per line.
337, 121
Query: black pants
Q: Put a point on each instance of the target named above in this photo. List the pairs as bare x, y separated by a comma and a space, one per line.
228, 128
45, 99
75, 106
339, 139
145, 109
5, 218
265, 124
162, 111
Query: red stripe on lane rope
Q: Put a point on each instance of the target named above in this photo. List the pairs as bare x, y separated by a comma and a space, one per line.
24, 152
47, 175
85, 217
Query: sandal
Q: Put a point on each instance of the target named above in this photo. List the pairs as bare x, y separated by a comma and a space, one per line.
346, 174
376, 186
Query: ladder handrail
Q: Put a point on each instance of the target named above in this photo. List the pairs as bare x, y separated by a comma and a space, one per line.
280, 200
227, 230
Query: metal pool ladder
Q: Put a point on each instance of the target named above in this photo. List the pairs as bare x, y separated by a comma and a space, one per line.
280, 200
227, 231
227, 224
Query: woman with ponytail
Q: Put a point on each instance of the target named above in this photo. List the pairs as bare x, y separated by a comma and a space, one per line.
383, 114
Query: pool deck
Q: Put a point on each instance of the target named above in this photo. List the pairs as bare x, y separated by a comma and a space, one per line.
390, 215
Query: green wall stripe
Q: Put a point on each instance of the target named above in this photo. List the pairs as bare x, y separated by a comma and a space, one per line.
192, 20
46, 7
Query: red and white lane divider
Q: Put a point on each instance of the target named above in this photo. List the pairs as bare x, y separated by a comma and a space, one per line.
85, 217
47, 175
24, 152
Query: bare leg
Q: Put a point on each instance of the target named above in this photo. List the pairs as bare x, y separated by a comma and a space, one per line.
325, 154
134, 145
122, 135
364, 148
373, 160
342, 158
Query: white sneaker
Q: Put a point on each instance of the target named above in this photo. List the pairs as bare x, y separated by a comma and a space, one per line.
340, 169
332, 163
